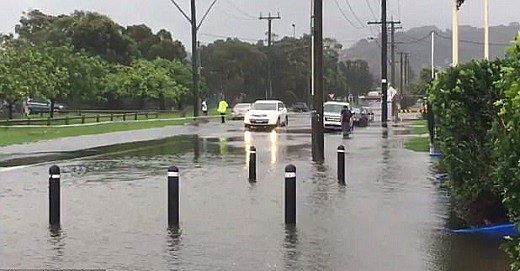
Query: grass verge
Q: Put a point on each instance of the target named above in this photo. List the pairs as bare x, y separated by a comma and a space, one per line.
419, 143
16, 135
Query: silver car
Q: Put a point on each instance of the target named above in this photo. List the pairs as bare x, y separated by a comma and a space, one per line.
240, 110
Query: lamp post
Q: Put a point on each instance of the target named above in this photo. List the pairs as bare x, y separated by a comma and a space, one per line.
486, 29
455, 33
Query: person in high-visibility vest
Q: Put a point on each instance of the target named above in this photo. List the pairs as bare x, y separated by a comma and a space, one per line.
222, 108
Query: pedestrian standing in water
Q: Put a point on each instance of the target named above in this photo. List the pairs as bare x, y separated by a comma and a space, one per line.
222, 108
345, 121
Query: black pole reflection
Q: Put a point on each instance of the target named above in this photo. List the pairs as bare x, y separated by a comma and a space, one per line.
57, 242
173, 246
290, 247
196, 149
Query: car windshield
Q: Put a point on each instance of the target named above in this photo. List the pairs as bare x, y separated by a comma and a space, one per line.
241, 106
333, 108
264, 106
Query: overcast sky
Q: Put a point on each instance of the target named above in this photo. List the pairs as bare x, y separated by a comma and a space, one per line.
239, 18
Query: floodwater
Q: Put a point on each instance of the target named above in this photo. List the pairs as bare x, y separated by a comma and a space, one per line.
389, 216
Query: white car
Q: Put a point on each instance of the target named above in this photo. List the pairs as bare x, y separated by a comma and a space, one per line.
267, 114
332, 114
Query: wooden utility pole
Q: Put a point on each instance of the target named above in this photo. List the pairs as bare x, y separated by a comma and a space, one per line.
393, 28
384, 63
318, 141
269, 36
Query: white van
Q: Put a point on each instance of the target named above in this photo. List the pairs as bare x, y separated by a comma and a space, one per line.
332, 114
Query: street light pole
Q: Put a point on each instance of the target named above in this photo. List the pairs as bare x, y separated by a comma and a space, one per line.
433, 54
486, 29
455, 33
195, 72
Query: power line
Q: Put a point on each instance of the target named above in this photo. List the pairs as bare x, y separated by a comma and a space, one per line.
371, 10
415, 40
472, 41
399, 9
236, 17
240, 10
354, 14
206, 13
345, 16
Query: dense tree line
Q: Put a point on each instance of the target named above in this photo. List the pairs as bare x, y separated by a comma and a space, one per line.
238, 69
89, 61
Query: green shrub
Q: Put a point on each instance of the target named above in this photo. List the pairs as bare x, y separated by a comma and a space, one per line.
463, 100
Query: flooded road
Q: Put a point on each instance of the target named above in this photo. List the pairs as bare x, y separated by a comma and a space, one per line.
389, 216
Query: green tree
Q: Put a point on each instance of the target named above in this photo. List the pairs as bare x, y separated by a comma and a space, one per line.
34, 26
99, 35
290, 68
95, 33
160, 45
232, 67
157, 81
357, 74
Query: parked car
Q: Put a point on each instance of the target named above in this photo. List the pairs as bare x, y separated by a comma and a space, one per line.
43, 106
360, 117
266, 114
38, 106
240, 110
300, 107
60, 107
332, 114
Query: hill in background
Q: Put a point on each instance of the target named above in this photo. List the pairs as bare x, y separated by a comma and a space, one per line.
417, 42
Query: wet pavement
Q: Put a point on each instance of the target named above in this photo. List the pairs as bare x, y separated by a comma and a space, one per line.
389, 216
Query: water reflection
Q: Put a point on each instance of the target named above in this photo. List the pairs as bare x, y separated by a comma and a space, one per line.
248, 142
174, 243
223, 148
385, 133
467, 252
290, 247
57, 242
273, 138
196, 149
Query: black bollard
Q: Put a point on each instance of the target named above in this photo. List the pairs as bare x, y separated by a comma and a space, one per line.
54, 195
341, 164
173, 196
252, 164
290, 194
